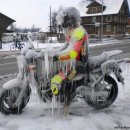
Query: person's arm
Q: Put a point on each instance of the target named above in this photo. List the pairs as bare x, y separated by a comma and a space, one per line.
62, 47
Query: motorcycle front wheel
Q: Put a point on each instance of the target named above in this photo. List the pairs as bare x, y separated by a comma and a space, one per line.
113, 92
8, 98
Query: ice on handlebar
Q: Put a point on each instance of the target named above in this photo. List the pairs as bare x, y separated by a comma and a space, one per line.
29, 51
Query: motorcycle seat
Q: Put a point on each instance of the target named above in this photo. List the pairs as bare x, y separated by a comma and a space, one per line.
96, 61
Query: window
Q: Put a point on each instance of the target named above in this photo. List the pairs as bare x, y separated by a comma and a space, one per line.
115, 18
94, 10
91, 29
108, 18
108, 28
120, 19
94, 19
122, 10
118, 28
124, 29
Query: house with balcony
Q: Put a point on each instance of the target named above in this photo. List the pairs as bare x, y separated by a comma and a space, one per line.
107, 17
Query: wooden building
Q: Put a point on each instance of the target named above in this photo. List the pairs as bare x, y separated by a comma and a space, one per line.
128, 27
109, 17
5, 21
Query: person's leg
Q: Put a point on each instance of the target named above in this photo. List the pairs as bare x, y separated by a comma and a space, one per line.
80, 68
16, 44
56, 84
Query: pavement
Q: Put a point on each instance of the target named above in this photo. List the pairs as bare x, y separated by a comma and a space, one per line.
8, 53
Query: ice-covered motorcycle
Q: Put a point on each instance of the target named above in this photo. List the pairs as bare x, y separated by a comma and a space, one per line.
96, 85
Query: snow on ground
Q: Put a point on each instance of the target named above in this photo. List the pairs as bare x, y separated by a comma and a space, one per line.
36, 116
6, 46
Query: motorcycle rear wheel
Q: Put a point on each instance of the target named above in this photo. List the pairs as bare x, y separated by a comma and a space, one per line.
8, 98
112, 96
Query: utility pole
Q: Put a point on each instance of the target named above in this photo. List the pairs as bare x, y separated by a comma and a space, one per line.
102, 24
0, 42
50, 25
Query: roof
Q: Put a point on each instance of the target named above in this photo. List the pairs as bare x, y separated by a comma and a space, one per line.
5, 21
101, 2
45, 29
82, 6
112, 7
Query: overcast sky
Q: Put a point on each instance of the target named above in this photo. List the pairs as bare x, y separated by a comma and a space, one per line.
29, 12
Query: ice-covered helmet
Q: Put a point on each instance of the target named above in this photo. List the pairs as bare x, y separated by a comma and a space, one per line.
69, 17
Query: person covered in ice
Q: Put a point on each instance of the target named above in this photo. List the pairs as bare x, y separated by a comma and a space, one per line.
75, 51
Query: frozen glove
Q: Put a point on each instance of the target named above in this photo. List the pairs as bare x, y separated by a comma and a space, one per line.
55, 58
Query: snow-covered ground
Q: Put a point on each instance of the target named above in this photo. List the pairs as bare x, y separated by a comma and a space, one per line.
6, 46
36, 116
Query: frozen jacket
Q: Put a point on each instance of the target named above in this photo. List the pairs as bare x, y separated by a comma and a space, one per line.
77, 40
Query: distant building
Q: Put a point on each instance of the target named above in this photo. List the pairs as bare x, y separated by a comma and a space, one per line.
114, 16
51, 36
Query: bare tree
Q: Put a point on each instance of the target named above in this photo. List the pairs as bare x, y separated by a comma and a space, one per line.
54, 22
33, 28
55, 27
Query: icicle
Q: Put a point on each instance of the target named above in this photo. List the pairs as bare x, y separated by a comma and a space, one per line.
43, 71
66, 68
126, 71
53, 105
49, 105
52, 67
59, 105
123, 86
66, 110
47, 65
92, 95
